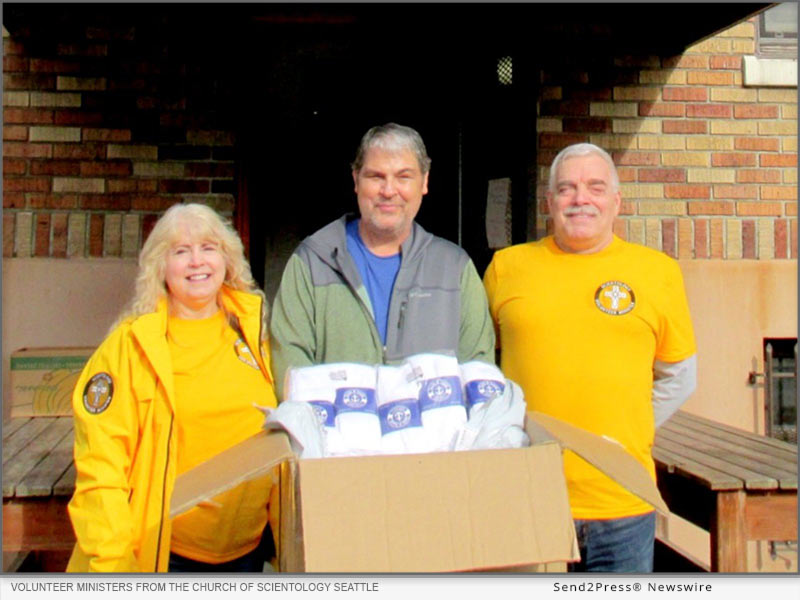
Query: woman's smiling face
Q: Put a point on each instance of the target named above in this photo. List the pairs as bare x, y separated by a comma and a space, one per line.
195, 271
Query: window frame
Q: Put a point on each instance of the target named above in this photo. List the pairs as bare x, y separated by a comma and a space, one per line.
773, 46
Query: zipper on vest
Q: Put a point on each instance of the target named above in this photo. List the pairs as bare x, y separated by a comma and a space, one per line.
401, 319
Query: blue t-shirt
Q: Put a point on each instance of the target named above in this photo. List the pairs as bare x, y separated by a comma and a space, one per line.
378, 274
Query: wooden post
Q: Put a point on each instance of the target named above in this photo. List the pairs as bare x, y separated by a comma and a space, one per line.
728, 533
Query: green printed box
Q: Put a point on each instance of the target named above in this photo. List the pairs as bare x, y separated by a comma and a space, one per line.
42, 380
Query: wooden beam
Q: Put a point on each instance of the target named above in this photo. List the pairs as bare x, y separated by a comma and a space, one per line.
771, 517
728, 534
37, 525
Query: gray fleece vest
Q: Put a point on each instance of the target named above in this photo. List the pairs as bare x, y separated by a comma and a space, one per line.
425, 309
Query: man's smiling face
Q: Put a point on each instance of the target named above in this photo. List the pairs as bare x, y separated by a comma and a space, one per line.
390, 186
584, 204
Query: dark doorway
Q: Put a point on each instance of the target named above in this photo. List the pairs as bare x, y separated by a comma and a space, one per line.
324, 79
316, 76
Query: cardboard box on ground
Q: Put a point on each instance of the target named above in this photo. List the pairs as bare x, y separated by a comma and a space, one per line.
437, 512
42, 380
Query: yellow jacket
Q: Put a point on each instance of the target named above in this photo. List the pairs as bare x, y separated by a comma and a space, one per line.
125, 441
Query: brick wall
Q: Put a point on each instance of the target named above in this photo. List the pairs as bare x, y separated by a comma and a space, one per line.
708, 168
104, 127
107, 125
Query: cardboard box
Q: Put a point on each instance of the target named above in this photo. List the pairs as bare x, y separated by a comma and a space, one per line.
446, 511
42, 380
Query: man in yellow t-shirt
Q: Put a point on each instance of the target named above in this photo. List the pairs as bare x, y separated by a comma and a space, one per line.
597, 332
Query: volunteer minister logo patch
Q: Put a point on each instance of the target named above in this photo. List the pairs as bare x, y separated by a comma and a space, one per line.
243, 352
615, 298
98, 393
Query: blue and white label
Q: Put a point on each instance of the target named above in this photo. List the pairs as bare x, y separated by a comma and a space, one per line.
399, 415
483, 390
325, 412
439, 392
353, 399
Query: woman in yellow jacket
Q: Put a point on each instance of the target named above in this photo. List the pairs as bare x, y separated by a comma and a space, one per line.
173, 384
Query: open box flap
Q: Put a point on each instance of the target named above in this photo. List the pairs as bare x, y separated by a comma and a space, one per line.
609, 457
247, 460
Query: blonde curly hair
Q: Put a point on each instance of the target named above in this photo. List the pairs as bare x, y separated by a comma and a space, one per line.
203, 223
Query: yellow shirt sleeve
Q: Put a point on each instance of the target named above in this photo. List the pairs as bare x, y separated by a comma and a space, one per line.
675, 339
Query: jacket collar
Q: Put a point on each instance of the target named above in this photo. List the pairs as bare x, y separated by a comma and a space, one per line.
330, 244
247, 308
150, 331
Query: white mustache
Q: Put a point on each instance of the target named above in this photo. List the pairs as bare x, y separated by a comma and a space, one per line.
587, 210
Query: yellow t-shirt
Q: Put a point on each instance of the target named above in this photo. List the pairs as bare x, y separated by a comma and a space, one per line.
217, 381
579, 333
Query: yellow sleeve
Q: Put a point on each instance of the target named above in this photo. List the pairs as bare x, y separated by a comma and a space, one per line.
675, 340
106, 432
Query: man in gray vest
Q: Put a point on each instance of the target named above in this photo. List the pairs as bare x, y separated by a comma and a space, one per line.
375, 288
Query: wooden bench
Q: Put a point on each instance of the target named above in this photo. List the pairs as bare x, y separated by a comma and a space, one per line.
737, 485
38, 481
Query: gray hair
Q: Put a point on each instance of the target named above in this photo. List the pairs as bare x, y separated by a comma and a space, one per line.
582, 150
393, 138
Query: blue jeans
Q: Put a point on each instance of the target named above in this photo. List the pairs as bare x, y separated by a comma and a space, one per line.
616, 545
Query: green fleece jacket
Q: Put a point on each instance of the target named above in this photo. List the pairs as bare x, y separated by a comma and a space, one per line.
322, 312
